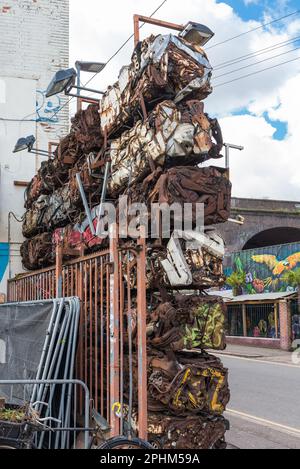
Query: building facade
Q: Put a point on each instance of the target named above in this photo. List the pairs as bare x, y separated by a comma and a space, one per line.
34, 45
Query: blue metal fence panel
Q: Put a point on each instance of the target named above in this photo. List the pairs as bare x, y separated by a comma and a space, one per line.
4, 256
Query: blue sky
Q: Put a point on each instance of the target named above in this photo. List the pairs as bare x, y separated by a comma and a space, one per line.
255, 9
280, 126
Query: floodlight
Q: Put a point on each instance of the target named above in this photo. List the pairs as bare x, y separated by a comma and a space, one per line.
197, 33
21, 145
90, 67
63, 80
26, 143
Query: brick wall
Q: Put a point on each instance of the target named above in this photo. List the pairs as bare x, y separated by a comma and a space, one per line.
285, 325
254, 342
35, 44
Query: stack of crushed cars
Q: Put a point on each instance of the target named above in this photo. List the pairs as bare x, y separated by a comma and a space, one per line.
154, 131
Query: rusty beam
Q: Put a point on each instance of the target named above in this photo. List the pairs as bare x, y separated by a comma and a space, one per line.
114, 332
21, 183
58, 269
146, 19
141, 330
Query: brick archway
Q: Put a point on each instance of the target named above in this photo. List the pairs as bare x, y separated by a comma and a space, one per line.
272, 237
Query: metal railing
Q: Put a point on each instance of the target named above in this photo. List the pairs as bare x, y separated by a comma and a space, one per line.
112, 290
253, 320
235, 320
295, 320
52, 433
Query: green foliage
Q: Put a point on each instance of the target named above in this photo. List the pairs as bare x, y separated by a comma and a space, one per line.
236, 279
292, 277
249, 288
239, 265
10, 415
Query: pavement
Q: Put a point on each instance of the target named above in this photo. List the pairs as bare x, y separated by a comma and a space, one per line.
264, 410
260, 354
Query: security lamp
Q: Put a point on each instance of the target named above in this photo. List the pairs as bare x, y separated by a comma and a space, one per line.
24, 144
21, 145
197, 33
30, 142
63, 80
90, 67
27, 144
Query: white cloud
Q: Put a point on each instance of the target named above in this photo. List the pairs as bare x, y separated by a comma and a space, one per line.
250, 2
267, 167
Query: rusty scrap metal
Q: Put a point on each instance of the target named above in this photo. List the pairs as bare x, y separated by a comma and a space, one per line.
188, 322
161, 66
52, 211
188, 184
37, 252
197, 432
172, 135
84, 138
185, 383
190, 259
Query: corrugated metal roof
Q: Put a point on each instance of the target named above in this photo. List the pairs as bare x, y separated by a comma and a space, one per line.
225, 294
228, 296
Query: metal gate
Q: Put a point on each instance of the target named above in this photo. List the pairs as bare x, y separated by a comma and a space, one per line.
295, 322
112, 290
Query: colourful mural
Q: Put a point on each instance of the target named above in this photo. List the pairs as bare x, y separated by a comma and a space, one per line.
265, 267
47, 109
4, 256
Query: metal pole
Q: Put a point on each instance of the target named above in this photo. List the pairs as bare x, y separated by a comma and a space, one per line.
244, 313
141, 332
58, 269
234, 147
46, 344
48, 355
114, 330
76, 306
78, 85
103, 195
226, 156
58, 352
85, 204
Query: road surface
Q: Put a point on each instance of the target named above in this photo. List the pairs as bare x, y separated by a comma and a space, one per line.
264, 410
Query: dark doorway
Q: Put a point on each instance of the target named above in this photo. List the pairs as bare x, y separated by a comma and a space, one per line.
272, 237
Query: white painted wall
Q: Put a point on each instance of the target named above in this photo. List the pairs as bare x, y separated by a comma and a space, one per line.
34, 45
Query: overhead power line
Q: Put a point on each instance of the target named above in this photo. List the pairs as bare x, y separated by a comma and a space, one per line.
254, 29
256, 53
256, 63
257, 72
126, 42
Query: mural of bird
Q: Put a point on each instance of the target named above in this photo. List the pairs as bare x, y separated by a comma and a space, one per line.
278, 267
